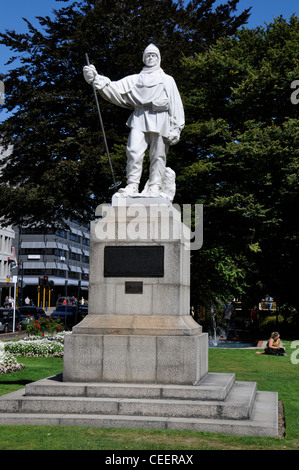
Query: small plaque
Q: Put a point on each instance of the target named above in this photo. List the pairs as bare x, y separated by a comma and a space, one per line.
134, 261
132, 287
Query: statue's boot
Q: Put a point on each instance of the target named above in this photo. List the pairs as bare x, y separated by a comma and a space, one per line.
130, 190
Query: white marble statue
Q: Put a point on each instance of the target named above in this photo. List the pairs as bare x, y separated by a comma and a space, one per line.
156, 122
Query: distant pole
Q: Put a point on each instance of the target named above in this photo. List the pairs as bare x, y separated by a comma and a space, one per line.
15, 280
44, 297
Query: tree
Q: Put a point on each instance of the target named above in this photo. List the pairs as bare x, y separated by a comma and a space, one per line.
241, 158
58, 168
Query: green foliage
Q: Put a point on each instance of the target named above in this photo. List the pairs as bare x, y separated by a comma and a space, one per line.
59, 168
216, 275
238, 155
241, 161
271, 323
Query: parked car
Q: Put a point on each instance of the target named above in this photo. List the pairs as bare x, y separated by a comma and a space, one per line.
83, 309
66, 300
6, 319
32, 312
68, 315
28, 313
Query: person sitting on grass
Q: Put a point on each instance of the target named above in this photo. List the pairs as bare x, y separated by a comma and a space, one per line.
273, 346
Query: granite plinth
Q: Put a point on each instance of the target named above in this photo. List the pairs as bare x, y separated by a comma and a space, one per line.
145, 335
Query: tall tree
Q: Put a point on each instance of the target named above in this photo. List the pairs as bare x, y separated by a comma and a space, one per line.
58, 168
241, 160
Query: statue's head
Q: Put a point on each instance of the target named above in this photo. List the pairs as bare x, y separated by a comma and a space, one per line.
151, 56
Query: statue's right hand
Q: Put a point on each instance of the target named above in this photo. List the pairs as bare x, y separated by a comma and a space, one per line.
90, 73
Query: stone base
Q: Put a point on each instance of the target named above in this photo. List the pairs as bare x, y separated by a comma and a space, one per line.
138, 328
217, 404
141, 199
136, 349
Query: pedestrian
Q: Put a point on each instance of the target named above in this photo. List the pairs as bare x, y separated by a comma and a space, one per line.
254, 318
229, 316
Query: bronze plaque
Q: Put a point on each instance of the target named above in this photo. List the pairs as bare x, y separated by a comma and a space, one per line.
134, 261
133, 287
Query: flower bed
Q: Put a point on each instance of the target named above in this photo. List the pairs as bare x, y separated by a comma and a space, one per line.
50, 346
8, 363
42, 326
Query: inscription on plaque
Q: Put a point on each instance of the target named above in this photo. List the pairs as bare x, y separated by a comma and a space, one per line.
132, 287
134, 261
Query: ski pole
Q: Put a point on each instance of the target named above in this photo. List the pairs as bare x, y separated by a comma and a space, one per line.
114, 185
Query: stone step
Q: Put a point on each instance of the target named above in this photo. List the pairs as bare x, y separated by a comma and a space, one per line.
237, 405
214, 386
263, 421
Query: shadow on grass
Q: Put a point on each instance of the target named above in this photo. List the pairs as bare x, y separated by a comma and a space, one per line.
15, 382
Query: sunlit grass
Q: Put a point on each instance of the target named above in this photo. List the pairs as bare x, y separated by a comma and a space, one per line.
270, 373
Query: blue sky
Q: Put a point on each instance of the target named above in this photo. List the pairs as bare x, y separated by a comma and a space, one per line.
263, 11
12, 12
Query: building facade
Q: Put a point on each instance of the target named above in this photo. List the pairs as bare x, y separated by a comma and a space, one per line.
60, 255
7, 236
31, 253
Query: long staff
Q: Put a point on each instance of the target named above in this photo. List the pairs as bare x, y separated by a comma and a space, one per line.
114, 185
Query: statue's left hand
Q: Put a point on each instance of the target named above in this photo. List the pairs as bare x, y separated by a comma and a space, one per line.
173, 138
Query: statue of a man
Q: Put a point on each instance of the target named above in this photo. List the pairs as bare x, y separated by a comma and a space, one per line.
156, 122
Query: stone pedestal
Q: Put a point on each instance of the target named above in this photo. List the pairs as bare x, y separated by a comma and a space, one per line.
138, 360
139, 328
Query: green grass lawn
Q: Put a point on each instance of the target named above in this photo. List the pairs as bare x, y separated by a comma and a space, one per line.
270, 373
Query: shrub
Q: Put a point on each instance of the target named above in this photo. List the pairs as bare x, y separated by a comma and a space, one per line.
43, 325
271, 322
